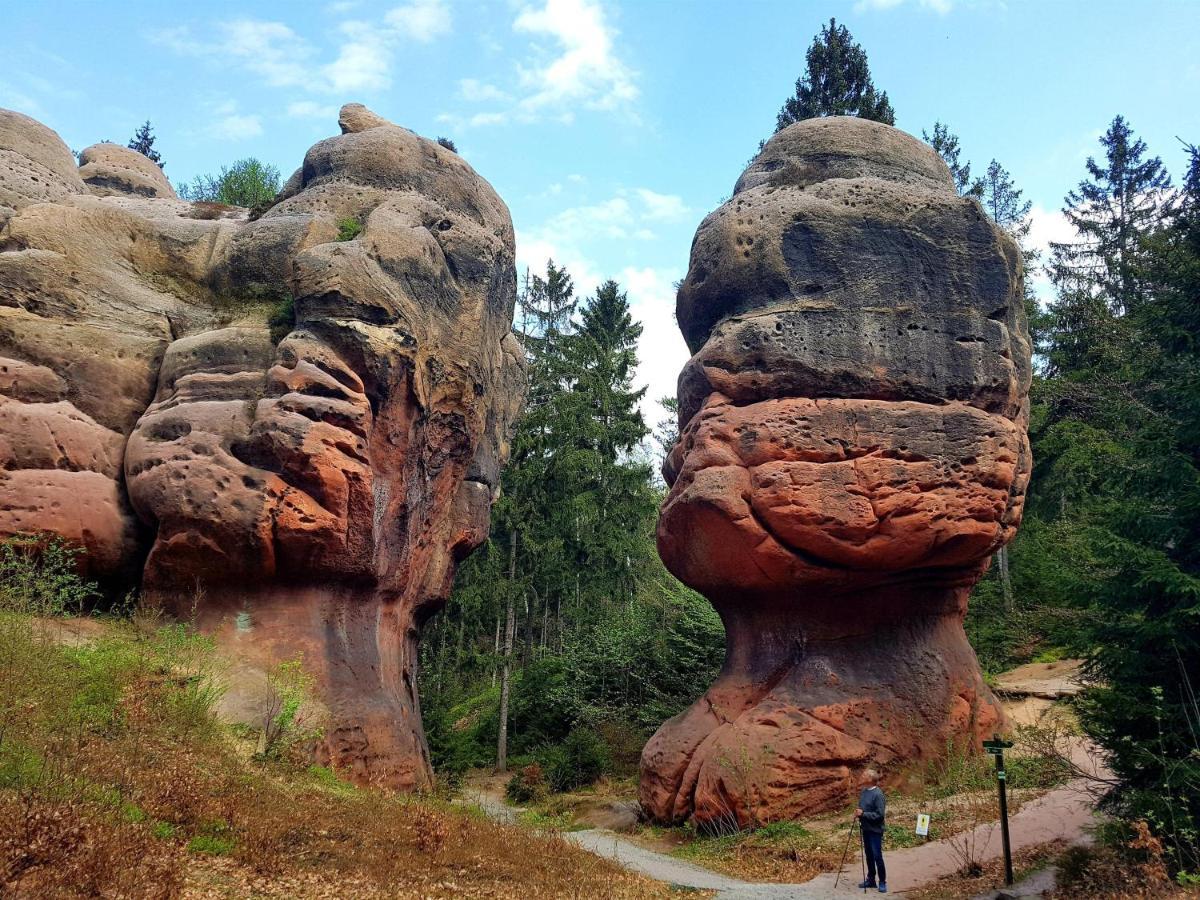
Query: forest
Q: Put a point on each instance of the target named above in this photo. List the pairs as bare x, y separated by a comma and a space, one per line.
565, 641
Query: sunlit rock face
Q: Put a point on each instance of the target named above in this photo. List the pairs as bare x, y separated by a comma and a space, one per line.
853, 451
303, 490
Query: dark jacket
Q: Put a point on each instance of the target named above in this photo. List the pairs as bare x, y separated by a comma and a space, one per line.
873, 804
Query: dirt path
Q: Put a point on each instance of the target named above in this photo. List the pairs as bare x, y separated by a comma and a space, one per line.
1061, 814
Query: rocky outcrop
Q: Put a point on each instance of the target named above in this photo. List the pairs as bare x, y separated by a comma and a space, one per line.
287, 438
853, 451
110, 170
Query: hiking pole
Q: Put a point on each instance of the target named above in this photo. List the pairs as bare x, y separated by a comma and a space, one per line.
862, 853
842, 864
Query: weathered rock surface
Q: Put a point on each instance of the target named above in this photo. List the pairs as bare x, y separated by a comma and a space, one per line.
303, 493
853, 451
112, 170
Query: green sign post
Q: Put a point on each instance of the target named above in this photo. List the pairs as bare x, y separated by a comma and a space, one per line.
996, 747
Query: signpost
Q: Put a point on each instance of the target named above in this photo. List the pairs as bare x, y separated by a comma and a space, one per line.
996, 747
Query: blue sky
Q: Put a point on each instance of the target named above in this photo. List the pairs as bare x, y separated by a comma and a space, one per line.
609, 128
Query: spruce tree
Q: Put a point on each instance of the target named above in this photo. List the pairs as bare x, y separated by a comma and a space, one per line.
837, 82
1124, 199
946, 145
143, 143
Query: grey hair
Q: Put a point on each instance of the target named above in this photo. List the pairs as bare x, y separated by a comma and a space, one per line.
872, 776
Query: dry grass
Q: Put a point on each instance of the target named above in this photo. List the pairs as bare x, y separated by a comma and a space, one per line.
116, 781
989, 875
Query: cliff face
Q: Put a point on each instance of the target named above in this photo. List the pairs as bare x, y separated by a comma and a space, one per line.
853, 451
301, 487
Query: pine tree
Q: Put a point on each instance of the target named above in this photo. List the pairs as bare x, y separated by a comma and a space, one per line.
1123, 201
143, 143
946, 145
837, 83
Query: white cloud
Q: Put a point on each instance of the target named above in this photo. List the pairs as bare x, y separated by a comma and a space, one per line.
575, 66
283, 58
363, 62
421, 20
585, 68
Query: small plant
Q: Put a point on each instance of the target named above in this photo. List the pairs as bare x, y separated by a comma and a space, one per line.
448, 144
39, 576
528, 785
282, 320
349, 229
431, 829
286, 717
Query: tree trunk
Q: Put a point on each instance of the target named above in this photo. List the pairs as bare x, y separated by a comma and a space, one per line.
1005, 578
506, 671
496, 651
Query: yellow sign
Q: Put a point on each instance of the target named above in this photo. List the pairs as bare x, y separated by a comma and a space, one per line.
923, 824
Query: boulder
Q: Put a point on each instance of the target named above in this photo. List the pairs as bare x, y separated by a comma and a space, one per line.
112, 170
35, 165
853, 450
287, 439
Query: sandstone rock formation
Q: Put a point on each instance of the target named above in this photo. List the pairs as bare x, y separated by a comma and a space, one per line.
289, 438
853, 451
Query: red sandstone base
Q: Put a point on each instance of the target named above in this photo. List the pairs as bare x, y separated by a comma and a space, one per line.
361, 651
801, 708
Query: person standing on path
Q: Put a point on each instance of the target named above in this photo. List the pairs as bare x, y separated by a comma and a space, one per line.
871, 808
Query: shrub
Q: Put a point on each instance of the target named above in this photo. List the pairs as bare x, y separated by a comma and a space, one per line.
287, 720
282, 320
39, 576
248, 182
528, 785
349, 229
577, 761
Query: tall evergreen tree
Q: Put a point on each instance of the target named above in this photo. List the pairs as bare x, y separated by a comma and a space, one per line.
837, 82
1122, 202
143, 143
946, 144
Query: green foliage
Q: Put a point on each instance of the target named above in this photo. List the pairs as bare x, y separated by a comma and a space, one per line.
285, 709
1108, 564
946, 144
837, 82
143, 142
282, 320
39, 575
349, 229
248, 182
580, 759
448, 144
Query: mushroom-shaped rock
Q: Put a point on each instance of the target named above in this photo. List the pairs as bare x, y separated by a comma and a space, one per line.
309, 430
853, 451
112, 170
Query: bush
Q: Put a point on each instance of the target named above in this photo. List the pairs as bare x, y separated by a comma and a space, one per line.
527, 786
282, 319
248, 182
579, 760
349, 229
39, 576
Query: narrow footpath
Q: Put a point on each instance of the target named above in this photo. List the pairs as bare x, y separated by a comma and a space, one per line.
1063, 813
